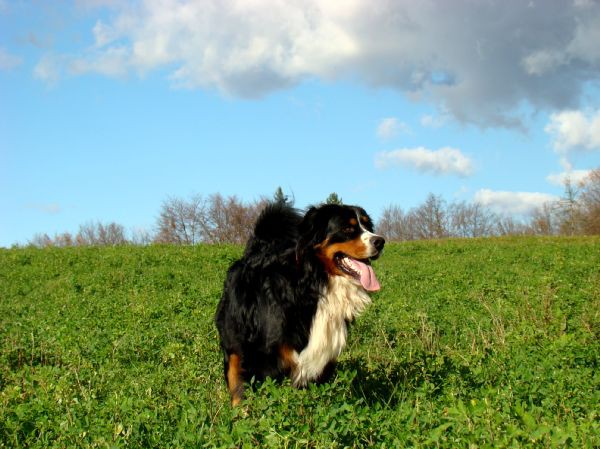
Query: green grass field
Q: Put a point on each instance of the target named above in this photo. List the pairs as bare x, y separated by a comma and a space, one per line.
469, 344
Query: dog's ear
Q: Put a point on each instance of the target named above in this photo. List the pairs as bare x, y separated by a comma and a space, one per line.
313, 230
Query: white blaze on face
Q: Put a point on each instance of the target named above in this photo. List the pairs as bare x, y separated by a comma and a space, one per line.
367, 238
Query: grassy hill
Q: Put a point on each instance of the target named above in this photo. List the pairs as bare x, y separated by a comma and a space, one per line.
469, 344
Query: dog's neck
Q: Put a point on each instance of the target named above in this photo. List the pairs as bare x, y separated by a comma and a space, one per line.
344, 299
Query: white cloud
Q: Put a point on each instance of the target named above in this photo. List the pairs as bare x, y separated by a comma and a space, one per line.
8, 61
96, 3
572, 130
49, 68
543, 61
480, 69
444, 161
434, 121
519, 203
390, 127
46, 208
103, 34
575, 177
243, 48
112, 62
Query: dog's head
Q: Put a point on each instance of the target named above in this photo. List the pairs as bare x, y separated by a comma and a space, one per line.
342, 238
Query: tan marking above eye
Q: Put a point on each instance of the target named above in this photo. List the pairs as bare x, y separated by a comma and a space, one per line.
353, 221
364, 219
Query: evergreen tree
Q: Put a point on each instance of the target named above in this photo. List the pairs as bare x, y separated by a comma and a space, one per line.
280, 197
333, 198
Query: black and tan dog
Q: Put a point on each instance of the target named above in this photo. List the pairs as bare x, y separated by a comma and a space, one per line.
287, 302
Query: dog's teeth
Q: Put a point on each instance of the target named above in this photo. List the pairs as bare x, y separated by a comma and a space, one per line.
349, 266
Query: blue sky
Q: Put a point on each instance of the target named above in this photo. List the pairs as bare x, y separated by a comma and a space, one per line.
107, 108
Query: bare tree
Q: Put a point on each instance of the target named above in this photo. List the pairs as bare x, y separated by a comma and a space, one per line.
471, 220
393, 224
111, 234
63, 240
229, 220
181, 222
590, 203
544, 220
223, 219
97, 234
434, 219
141, 237
213, 220
41, 241
507, 225
568, 210
430, 219
87, 235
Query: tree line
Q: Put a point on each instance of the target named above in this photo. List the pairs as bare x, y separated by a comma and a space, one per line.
219, 219
576, 213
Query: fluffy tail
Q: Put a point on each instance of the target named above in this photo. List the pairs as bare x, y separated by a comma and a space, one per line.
276, 227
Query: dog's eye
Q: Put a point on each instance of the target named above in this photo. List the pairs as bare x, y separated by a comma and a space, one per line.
348, 230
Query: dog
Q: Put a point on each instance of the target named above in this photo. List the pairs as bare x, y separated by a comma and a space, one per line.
287, 302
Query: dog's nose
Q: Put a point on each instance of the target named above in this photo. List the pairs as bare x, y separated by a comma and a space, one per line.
378, 242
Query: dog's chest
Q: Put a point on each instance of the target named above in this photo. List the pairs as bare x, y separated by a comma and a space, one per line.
342, 301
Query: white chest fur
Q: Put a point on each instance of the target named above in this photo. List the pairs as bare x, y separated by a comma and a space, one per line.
343, 300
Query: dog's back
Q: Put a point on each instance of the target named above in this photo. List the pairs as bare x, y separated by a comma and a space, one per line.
259, 294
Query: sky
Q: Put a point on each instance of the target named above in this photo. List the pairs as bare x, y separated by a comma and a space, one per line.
110, 107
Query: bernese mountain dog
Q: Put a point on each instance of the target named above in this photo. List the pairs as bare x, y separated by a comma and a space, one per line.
287, 302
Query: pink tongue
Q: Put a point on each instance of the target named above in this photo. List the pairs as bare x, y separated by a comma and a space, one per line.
367, 276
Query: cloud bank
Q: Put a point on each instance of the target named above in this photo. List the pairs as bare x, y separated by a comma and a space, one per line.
573, 130
512, 203
445, 161
390, 127
478, 61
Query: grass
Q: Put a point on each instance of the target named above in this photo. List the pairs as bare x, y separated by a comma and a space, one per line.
469, 344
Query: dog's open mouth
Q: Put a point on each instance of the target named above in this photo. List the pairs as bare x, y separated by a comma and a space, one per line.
360, 270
